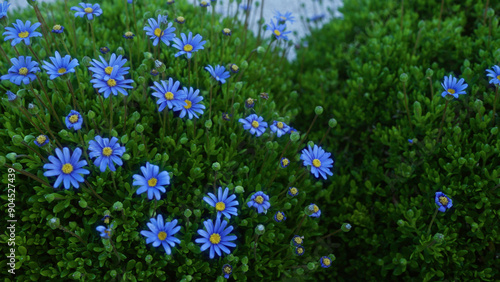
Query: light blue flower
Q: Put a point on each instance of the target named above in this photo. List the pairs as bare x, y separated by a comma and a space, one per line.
318, 159
325, 262
74, 120
21, 31
216, 237
68, 168
192, 106
255, 124
89, 10
188, 44
23, 70
218, 73
169, 95
102, 69
155, 32
452, 87
494, 74
280, 128
105, 232
112, 84
41, 140
444, 202
284, 17
223, 204
60, 65
260, 201
107, 152
3, 9
314, 210
162, 233
278, 30
151, 181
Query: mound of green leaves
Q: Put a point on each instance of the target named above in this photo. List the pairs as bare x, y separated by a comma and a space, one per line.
56, 235
379, 71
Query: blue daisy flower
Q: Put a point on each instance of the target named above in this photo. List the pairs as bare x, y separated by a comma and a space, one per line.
279, 216
21, 31
443, 201
102, 69
105, 232
180, 20
68, 168
3, 9
260, 201
219, 73
204, 4
255, 124
318, 159
293, 191
74, 120
57, 28
87, 9
278, 30
107, 152
234, 68
162, 233
452, 87
284, 162
494, 74
170, 95
313, 210
280, 128
41, 140
216, 237
188, 44
227, 270
156, 33
325, 262
151, 180
223, 204
23, 70
112, 84
284, 17
297, 240
11, 96
104, 50
249, 103
299, 250
60, 65
192, 106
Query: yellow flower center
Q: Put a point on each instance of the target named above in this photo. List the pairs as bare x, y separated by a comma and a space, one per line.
277, 32
298, 240
249, 101
279, 216
189, 104
285, 162
443, 200
294, 191
259, 199
23, 71
169, 96
57, 27
215, 238
316, 163
40, 139
107, 151
327, 261
227, 30
88, 10
280, 125
73, 118
255, 124
188, 47
316, 209
162, 235
152, 182
67, 168
300, 250
111, 82
283, 18
107, 233
180, 19
451, 91
235, 67
106, 220
23, 34
158, 32
108, 70
61, 70
129, 34
498, 77
204, 3
220, 206
228, 270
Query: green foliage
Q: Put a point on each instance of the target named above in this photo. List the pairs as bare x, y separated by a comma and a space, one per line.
379, 75
55, 234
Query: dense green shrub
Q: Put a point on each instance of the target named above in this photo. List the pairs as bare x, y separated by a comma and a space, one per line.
379, 73
56, 235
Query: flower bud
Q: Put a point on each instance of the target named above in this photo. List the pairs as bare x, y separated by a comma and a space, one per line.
17, 139
208, 124
120, 51
33, 109
429, 73
260, 229
239, 189
216, 166
490, 13
318, 110
54, 223
237, 42
118, 206
403, 77
82, 203
11, 156
126, 157
147, 55
188, 213
141, 80
332, 123
346, 227
139, 128
438, 237
295, 136
261, 50
149, 259
310, 143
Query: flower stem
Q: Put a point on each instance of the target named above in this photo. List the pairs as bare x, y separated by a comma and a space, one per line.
442, 120
432, 220
440, 14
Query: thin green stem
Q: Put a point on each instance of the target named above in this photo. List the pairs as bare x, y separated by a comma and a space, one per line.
432, 220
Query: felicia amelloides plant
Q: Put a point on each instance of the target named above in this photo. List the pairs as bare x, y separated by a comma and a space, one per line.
147, 145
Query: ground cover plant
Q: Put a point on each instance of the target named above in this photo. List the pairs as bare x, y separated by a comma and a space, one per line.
414, 88
143, 140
